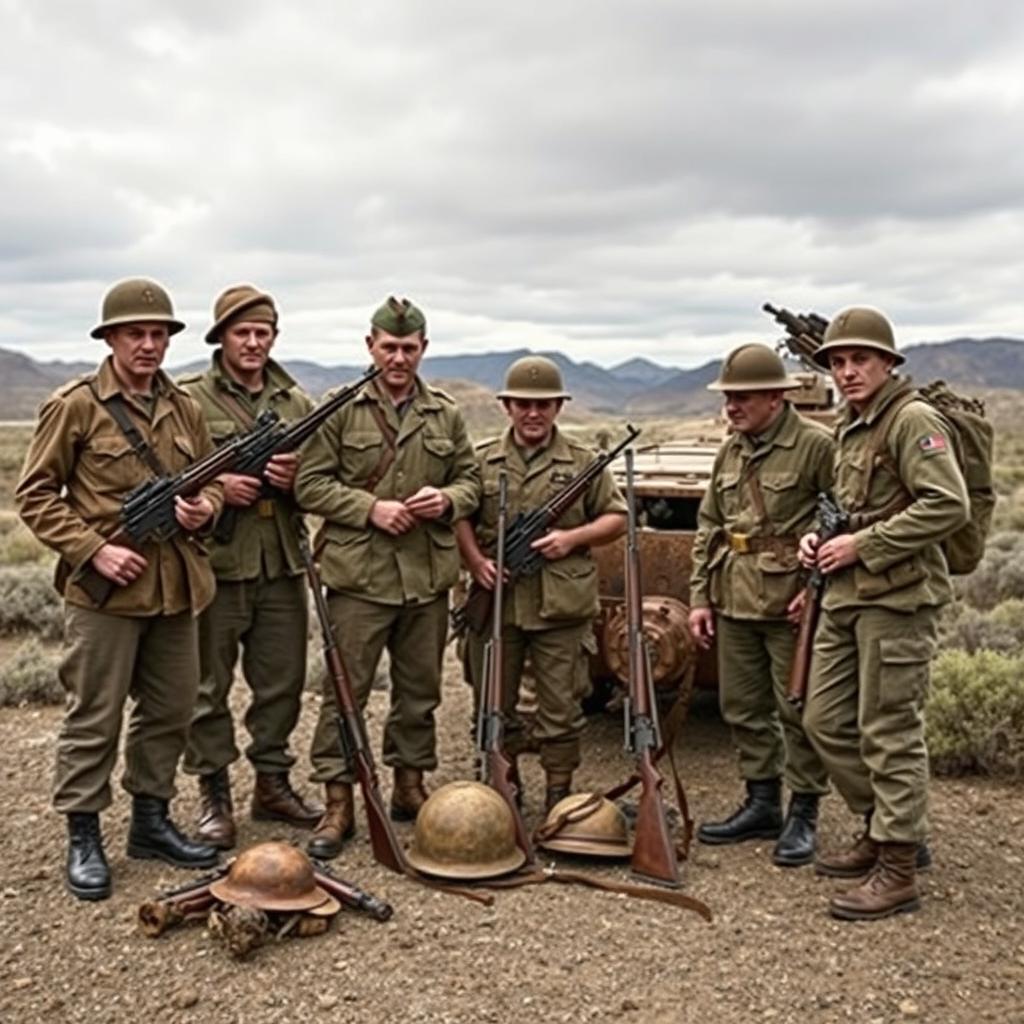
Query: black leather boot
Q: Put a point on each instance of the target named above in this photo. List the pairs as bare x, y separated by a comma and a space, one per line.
88, 874
153, 836
796, 844
759, 817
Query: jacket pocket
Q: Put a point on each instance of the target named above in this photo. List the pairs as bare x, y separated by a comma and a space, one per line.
444, 559
905, 664
113, 466
869, 585
726, 484
780, 580
438, 458
184, 453
781, 495
360, 455
346, 559
569, 589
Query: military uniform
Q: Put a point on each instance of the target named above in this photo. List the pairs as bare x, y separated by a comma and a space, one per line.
760, 499
877, 633
548, 616
261, 602
384, 590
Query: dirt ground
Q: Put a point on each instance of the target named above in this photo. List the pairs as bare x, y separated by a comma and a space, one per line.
553, 953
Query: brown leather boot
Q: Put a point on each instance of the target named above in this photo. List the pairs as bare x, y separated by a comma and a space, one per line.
891, 888
408, 794
558, 785
216, 825
853, 862
273, 799
336, 825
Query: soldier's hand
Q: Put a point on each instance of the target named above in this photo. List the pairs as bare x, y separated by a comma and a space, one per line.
837, 553
192, 513
554, 545
240, 491
118, 564
427, 503
485, 572
391, 517
807, 552
795, 608
702, 626
281, 470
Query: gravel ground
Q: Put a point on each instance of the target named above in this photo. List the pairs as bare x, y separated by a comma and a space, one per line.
553, 953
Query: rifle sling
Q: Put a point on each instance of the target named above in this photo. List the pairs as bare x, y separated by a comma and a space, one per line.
118, 409
234, 408
390, 448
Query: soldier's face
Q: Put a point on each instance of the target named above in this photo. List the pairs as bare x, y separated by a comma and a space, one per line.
752, 412
532, 418
138, 349
245, 347
859, 373
399, 358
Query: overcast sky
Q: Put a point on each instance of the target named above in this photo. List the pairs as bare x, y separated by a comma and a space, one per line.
610, 179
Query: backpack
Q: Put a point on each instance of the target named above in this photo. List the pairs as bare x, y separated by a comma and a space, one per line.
972, 438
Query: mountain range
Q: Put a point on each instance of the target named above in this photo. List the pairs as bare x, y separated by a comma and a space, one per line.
635, 387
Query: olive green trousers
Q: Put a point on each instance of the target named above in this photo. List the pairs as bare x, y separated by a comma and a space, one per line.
414, 636
754, 659
154, 661
865, 713
268, 620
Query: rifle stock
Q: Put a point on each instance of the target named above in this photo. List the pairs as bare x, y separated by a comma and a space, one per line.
654, 855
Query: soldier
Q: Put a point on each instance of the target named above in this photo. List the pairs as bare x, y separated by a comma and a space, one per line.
97, 438
261, 602
896, 473
745, 591
548, 617
389, 473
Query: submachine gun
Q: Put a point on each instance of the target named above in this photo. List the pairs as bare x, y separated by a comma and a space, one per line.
833, 520
805, 333
495, 766
147, 512
520, 557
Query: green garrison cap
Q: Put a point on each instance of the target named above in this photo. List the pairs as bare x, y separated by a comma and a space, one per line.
237, 303
137, 300
400, 318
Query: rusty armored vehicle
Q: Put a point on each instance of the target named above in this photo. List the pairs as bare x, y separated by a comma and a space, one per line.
669, 482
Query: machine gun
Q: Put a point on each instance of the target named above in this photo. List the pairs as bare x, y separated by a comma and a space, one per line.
805, 333
833, 520
254, 456
521, 559
495, 766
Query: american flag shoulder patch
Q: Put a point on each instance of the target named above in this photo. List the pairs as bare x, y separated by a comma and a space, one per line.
931, 443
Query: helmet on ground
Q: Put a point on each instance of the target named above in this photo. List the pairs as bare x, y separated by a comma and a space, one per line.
274, 876
861, 327
753, 367
237, 303
136, 300
465, 830
533, 377
585, 823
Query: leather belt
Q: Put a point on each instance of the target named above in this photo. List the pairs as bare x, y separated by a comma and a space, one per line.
750, 544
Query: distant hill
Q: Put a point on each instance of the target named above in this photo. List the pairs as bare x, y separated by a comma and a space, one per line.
636, 387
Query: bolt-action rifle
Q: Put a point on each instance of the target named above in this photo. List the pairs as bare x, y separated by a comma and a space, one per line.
654, 854
805, 333
254, 457
521, 559
495, 765
147, 512
833, 520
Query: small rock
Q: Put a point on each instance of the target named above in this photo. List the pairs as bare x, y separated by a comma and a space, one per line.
20, 983
628, 1006
327, 1002
186, 998
909, 1008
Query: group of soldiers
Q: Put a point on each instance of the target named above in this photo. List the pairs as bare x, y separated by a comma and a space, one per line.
404, 498
400, 491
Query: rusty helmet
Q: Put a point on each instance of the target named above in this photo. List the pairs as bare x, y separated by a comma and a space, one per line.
534, 377
465, 830
585, 823
753, 367
274, 876
136, 300
858, 327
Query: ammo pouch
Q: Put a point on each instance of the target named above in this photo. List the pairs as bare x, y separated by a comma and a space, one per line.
568, 588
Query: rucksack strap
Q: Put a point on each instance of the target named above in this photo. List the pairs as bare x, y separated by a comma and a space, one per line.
878, 452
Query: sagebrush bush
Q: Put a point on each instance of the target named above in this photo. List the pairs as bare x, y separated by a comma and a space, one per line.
975, 713
970, 629
29, 603
999, 576
30, 676
18, 546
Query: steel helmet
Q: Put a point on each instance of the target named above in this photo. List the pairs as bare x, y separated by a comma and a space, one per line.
861, 327
753, 367
533, 377
586, 823
137, 300
465, 830
274, 876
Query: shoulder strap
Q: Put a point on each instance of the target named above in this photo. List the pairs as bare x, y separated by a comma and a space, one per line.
878, 453
749, 475
233, 407
117, 408
390, 448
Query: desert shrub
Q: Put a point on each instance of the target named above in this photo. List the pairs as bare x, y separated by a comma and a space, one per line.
966, 628
999, 576
975, 713
30, 676
18, 546
29, 603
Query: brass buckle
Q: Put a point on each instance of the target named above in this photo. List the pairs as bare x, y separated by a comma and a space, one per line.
265, 508
739, 542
